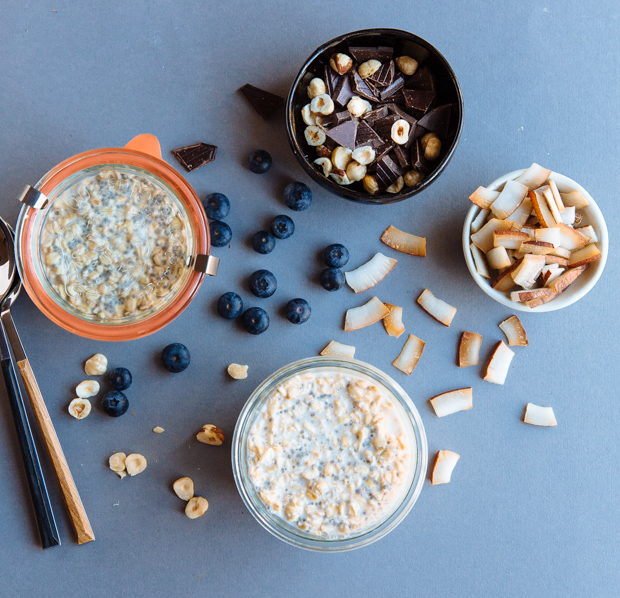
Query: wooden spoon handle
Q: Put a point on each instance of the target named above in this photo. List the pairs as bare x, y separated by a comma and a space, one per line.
77, 514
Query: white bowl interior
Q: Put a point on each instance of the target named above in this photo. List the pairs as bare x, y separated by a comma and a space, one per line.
591, 215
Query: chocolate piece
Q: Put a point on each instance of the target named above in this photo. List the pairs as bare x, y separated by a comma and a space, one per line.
387, 172
422, 80
384, 76
380, 53
334, 119
373, 115
383, 126
343, 92
344, 134
367, 136
331, 79
360, 87
437, 120
323, 152
194, 156
418, 99
418, 160
402, 156
263, 102
391, 89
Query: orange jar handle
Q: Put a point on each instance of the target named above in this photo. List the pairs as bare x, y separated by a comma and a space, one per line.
147, 144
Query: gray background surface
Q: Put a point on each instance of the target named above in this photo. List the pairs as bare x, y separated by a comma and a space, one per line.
530, 512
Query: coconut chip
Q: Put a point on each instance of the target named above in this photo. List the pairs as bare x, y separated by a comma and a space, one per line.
452, 401
497, 369
336, 349
393, 322
404, 242
444, 465
514, 331
371, 273
437, 308
469, 349
539, 416
410, 355
365, 315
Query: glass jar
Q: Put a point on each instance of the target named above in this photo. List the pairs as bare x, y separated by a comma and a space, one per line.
410, 419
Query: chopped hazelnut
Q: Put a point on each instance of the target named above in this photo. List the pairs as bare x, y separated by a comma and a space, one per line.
238, 372
322, 104
135, 464
363, 155
79, 408
308, 116
196, 507
314, 135
341, 157
87, 389
96, 365
210, 434
184, 488
325, 164
355, 171
400, 131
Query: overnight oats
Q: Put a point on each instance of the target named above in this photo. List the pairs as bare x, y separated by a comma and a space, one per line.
114, 244
332, 452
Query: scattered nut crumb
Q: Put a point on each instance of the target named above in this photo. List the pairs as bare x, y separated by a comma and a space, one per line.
158, 430
86, 389
96, 365
210, 434
196, 507
184, 488
238, 372
135, 464
79, 408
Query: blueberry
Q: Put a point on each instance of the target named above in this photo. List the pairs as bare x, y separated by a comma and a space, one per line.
259, 161
229, 305
297, 196
297, 311
120, 378
114, 403
255, 320
336, 255
175, 358
332, 279
282, 227
220, 233
263, 242
216, 206
263, 283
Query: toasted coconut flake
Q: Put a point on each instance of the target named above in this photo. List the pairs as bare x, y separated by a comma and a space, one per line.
450, 402
588, 231
504, 282
543, 213
530, 230
536, 247
437, 308
444, 465
570, 238
569, 215
393, 322
371, 273
336, 349
479, 220
479, 261
523, 296
483, 239
555, 259
497, 369
556, 195
404, 242
469, 349
365, 315
410, 355
534, 176
578, 218
574, 199
541, 300
581, 257
509, 199
551, 204
551, 275
498, 258
510, 239
520, 216
528, 270
548, 235
483, 197
514, 331
559, 251
539, 416
560, 284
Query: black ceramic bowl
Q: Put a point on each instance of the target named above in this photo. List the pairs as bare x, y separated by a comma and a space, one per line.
404, 43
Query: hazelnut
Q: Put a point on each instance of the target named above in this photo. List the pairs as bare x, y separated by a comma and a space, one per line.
341, 157
400, 131
96, 365
413, 177
79, 408
210, 434
363, 155
406, 65
370, 184
322, 104
323, 152
135, 464
368, 68
431, 145
184, 488
358, 107
396, 186
325, 164
117, 462
314, 135
238, 372
307, 116
316, 87
341, 179
158, 430
355, 171
341, 63
87, 389
196, 507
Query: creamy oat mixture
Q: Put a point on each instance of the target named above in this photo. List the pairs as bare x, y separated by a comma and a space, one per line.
114, 245
329, 453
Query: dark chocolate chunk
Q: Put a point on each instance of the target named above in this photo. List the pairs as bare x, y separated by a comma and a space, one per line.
422, 80
384, 76
263, 102
367, 136
377, 113
403, 156
380, 53
391, 89
383, 126
195, 156
387, 172
344, 134
437, 120
418, 99
331, 79
359, 86
417, 158
343, 92
334, 119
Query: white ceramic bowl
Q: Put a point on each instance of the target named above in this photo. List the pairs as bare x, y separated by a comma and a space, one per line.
591, 215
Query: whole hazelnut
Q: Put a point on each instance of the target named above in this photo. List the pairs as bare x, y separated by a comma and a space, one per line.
358, 107
407, 65
364, 154
431, 145
396, 186
341, 63
368, 68
316, 87
308, 116
370, 184
322, 104
355, 171
413, 177
341, 157
400, 131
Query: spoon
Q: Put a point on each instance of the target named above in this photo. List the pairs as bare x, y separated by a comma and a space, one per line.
36, 483
70, 494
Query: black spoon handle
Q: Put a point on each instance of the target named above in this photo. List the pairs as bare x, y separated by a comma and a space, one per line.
38, 491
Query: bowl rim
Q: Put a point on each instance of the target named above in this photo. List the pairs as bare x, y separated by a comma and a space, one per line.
386, 525
569, 296
342, 191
